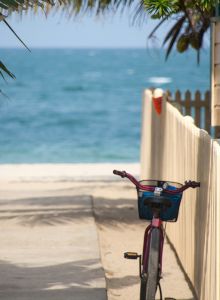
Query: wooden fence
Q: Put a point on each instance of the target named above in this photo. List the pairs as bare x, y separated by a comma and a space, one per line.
199, 108
174, 149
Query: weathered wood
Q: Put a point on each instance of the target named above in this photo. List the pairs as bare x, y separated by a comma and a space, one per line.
178, 101
207, 104
188, 103
217, 132
197, 108
169, 95
201, 107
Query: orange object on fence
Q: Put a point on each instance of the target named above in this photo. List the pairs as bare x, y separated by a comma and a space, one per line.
157, 100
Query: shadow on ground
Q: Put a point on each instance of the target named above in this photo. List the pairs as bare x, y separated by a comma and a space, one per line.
63, 281
70, 280
117, 212
53, 211
49, 211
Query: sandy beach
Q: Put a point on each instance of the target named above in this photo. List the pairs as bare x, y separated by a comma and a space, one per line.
63, 172
64, 229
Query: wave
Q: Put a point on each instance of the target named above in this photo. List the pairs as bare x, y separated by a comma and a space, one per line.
160, 80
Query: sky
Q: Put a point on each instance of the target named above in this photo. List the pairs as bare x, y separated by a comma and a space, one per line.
57, 31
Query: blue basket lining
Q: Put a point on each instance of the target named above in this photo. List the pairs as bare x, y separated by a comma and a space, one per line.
170, 214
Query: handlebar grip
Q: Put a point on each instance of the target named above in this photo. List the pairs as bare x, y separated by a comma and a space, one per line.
192, 184
120, 173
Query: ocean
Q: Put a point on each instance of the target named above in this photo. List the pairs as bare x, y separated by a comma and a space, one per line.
84, 105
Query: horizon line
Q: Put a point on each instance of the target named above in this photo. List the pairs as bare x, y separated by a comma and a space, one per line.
91, 48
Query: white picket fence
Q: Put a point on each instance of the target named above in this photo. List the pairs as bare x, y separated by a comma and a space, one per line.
174, 149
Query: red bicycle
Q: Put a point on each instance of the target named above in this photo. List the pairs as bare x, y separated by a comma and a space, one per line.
158, 201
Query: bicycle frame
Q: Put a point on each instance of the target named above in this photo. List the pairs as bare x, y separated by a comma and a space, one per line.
155, 223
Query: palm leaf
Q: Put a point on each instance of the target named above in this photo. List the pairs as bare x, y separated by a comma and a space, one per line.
16, 35
3, 67
173, 34
176, 27
3, 6
139, 15
2, 75
156, 27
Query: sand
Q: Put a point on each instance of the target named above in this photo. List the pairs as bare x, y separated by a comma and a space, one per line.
64, 232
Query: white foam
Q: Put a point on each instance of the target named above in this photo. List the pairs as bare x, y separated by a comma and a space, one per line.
160, 80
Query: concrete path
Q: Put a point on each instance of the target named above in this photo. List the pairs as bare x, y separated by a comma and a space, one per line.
49, 247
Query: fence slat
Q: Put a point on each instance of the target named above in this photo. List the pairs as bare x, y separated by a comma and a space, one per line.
185, 107
197, 108
178, 97
188, 103
178, 102
207, 112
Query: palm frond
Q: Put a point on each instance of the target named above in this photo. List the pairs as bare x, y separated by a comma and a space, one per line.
3, 68
174, 29
157, 27
16, 35
139, 15
184, 10
173, 35
2, 76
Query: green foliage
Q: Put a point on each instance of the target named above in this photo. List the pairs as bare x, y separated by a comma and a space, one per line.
193, 19
207, 4
161, 8
182, 43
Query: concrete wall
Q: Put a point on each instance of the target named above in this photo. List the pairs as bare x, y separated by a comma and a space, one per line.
174, 149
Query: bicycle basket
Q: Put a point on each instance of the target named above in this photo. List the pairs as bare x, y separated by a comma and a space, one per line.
169, 214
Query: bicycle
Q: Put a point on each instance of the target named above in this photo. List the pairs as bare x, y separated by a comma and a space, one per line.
158, 201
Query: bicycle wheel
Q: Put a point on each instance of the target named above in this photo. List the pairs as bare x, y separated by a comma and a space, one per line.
149, 284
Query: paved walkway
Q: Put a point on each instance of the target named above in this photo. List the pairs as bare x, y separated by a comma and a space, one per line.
49, 247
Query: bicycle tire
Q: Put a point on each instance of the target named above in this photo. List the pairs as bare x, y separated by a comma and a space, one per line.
148, 286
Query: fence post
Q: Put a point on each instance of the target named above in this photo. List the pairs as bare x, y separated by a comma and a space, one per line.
207, 112
217, 132
188, 103
197, 108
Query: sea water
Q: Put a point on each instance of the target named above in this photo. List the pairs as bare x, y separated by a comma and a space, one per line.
84, 105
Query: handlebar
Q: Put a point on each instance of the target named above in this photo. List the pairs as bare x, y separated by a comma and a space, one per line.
188, 184
120, 173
